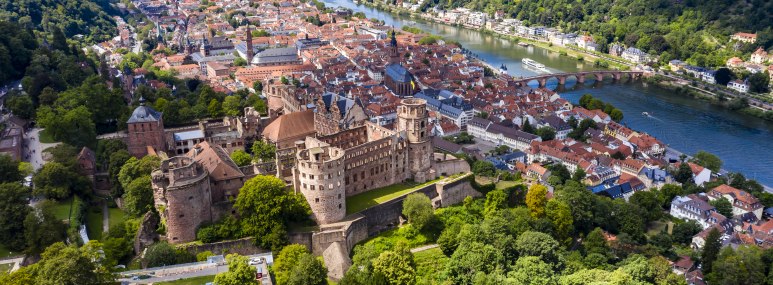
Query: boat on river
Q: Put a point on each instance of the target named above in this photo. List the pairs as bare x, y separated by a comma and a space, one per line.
532, 63
523, 44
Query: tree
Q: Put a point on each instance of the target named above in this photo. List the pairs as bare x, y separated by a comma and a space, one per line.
526, 127
683, 232
232, 106
239, 272
13, 209
595, 242
215, 109
286, 260
531, 270
710, 250
758, 82
42, 228
649, 202
163, 253
397, 268
741, 266
723, 76
667, 193
471, 257
495, 200
21, 106
57, 181
257, 86
308, 271
616, 115
418, 208
536, 200
723, 206
266, 208
579, 175
135, 168
560, 215
540, 245
114, 165
483, 168
707, 160
138, 198
546, 133
264, 151
9, 169
683, 173
241, 158
69, 265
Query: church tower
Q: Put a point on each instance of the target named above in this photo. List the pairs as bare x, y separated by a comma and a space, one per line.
250, 53
394, 52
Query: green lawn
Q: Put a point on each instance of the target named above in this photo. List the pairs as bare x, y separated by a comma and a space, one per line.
62, 209
45, 137
429, 263
506, 184
4, 252
656, 227
115, 216
190, 281
94, 222
374, 197
5, 267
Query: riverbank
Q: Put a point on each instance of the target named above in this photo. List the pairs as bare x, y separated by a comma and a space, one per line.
711, 98
598, 59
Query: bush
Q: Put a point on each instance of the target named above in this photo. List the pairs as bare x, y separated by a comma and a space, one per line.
163, 253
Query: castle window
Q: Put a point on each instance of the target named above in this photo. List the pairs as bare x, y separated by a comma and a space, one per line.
339, 195
312, 187
311, 176
321, 187
303, 175
181, 215
316, 200
339, 205
190, 197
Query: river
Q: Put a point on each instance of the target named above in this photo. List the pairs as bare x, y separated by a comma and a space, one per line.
744, 143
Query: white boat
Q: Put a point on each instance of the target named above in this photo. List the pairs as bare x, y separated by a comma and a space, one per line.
531, 63
646, 114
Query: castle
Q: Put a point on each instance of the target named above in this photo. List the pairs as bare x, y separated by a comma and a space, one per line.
330, 168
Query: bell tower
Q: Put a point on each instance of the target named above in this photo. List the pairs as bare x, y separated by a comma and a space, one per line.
394, 52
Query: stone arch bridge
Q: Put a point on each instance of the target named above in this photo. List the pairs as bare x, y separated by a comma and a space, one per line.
580, 76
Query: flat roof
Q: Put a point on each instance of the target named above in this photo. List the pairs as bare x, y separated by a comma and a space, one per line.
189, 135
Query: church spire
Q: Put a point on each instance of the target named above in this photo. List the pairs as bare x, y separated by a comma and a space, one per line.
250, 53
394, 53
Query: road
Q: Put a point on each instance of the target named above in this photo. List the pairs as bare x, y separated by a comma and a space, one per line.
35, 148
177, 272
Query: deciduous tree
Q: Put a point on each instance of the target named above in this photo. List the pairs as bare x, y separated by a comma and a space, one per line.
710, 251
239, 272
241, 158
418, 208
707, 160
138, 197
13, 209
536, 199
397, 268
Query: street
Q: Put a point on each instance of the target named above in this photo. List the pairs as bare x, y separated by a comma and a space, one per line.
33, 151
190, 270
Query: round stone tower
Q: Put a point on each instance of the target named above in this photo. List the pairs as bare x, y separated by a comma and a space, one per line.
181, 192
412, 120
320, 178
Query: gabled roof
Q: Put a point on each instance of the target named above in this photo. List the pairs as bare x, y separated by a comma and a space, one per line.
216, 160
398, 73
290, 125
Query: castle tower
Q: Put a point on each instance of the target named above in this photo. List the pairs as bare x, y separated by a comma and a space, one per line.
320, 176
412, 120
146, 129
181, 194
250, 53
394, 52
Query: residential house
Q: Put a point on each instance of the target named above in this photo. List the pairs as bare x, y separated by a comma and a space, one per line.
734, 62
587, 42
635, 55
501, 135
695, 208
742, 201
744, 37
759, 56
738, 85
616, 49
700, 174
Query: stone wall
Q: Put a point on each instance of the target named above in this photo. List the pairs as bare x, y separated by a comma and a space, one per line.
244, 246
454, 191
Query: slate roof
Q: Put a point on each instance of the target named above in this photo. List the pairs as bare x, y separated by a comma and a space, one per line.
274, 55
398, 73
144, 114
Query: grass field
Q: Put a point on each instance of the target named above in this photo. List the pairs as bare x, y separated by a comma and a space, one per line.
115, 216
371, 198
5, 267
190, 281
45, 137
94, 223
429, 263
505, 184
62, 209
